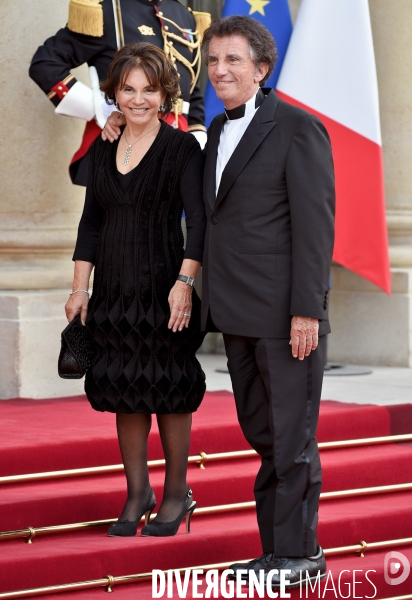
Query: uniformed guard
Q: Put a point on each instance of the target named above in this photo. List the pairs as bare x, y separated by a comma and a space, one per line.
95, 30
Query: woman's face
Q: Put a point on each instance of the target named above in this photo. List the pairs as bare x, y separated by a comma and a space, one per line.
137, 100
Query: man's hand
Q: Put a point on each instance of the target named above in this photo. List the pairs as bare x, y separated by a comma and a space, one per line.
111, 130
303, 336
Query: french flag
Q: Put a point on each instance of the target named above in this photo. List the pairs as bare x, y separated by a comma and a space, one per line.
329, 70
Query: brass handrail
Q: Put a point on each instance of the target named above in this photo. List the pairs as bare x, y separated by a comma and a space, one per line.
380, 489
407, 597
31, 532
109, 581
385, 439
199, 459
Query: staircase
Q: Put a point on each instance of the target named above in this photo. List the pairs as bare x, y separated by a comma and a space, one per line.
55, 435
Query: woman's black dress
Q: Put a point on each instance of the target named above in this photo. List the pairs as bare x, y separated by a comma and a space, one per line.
131, 231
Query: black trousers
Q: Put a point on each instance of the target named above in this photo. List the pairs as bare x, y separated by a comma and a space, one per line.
277, 401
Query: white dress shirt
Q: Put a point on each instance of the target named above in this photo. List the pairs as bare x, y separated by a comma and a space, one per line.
230, 136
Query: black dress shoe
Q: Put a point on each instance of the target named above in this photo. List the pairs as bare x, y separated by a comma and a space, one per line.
129, 528
303, 569
253, 565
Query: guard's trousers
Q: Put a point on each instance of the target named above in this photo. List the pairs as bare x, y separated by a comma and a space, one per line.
277, 402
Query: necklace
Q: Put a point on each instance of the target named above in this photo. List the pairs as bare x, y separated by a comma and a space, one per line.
128, 152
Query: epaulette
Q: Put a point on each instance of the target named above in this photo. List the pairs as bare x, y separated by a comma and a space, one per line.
86, 17
191, 39
203, 20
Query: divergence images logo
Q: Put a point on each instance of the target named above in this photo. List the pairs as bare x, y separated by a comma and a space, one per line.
393, 571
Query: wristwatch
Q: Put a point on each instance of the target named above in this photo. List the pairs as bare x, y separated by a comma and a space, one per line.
186, 279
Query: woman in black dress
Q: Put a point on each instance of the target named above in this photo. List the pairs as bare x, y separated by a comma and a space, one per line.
144, 314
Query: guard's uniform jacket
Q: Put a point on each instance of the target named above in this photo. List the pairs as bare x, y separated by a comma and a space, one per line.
92, 36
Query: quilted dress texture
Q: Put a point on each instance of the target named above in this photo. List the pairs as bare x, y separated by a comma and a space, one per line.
140, 366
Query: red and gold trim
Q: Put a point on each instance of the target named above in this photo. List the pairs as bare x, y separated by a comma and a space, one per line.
170, 119
59, 91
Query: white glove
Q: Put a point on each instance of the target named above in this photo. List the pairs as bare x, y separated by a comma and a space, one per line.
201, 137
85, 103
107, 109
102, 109
98, 97
78, 102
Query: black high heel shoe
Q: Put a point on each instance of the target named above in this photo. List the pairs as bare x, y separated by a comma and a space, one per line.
159, 529
129, 528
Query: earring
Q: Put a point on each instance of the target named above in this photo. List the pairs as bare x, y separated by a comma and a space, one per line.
162, 107
118, 107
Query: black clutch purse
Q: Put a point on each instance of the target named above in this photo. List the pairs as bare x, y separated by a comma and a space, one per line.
76, 352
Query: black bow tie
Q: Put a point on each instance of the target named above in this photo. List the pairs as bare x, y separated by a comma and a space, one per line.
239, 111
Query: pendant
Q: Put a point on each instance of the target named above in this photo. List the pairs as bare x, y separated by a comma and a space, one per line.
127, 155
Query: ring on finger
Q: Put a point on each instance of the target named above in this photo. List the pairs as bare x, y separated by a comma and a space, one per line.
186, 315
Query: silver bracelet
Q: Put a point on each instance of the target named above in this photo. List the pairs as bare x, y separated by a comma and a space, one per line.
75, 292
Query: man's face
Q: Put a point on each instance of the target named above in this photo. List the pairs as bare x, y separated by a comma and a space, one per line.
231, 70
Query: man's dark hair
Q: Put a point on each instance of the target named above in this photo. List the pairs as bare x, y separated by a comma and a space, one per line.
261, 42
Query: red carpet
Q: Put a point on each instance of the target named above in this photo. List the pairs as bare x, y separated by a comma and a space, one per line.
90, 554
75, 500
48, 435
336, 565
67, 433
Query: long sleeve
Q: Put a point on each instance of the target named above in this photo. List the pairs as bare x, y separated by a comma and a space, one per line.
91, 221
59, 54
191, 190
311, 192
53, 61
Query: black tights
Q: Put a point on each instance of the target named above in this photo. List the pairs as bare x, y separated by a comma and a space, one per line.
133, 431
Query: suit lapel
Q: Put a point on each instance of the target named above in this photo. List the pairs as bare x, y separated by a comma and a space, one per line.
211, 158
262, 123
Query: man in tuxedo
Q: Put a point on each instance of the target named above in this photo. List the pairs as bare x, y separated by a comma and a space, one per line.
269, 195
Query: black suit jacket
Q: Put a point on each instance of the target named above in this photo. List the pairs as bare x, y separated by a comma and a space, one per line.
270, 230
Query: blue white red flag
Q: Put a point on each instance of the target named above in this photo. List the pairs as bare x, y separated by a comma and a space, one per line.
275, 15
330, 71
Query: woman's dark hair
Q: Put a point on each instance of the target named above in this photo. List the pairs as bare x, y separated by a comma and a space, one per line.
158, 68
261, 42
